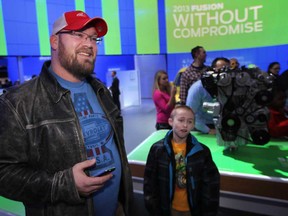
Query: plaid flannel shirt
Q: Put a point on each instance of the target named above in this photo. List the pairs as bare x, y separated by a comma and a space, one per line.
191, 75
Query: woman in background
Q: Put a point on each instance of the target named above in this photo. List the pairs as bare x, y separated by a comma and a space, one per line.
164, 99
278, 121
274, 69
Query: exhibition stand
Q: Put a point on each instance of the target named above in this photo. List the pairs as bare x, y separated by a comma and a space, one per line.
252, 172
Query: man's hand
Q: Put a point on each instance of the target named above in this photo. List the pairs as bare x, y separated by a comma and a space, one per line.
212, 131
87, 185
173, 91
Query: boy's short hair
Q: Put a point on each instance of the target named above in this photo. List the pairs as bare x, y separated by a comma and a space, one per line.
174, 111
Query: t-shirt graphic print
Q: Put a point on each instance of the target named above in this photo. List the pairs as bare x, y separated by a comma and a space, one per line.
97, 132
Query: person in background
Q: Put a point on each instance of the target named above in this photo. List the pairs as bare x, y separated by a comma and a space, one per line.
278, 120
274, 69
281, 83
163, 98
115, 89
7, 84
197, 95
16, 83
180, 176
59, 129
234, 64
193, 72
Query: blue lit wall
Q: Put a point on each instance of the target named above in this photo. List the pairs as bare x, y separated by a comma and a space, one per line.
20, 35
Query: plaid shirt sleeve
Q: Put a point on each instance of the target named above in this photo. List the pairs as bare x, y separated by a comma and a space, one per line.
183, 87
188, 77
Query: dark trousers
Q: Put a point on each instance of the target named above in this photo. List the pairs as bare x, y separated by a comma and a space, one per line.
117, 101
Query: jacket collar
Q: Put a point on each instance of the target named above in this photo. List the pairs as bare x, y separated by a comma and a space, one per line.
54, 89
193, 145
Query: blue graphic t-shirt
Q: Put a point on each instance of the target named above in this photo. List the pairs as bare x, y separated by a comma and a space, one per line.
98, 136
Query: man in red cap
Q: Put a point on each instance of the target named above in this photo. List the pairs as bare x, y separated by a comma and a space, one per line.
61, 130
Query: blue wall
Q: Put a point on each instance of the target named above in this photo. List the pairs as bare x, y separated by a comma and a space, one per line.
22, 39
258, 56
261, 57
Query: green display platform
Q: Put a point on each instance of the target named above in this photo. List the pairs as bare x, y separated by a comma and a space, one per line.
10, 206
252, 169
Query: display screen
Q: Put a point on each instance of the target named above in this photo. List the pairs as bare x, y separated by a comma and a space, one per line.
148, 27
226, 24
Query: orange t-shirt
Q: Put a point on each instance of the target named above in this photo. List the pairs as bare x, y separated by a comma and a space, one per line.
180, 200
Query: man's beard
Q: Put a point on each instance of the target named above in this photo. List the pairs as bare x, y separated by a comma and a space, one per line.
73, 66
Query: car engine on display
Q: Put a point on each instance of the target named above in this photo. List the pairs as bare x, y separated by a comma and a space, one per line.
240, 111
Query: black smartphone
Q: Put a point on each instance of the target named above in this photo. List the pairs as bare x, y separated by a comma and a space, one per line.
104, 172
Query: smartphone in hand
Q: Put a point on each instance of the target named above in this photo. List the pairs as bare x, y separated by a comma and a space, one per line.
104, 172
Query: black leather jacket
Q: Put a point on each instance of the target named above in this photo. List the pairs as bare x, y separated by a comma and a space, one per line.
41, 140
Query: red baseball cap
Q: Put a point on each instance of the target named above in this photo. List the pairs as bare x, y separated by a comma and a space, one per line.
76, 20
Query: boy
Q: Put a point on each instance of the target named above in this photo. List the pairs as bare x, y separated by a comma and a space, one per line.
180, 176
